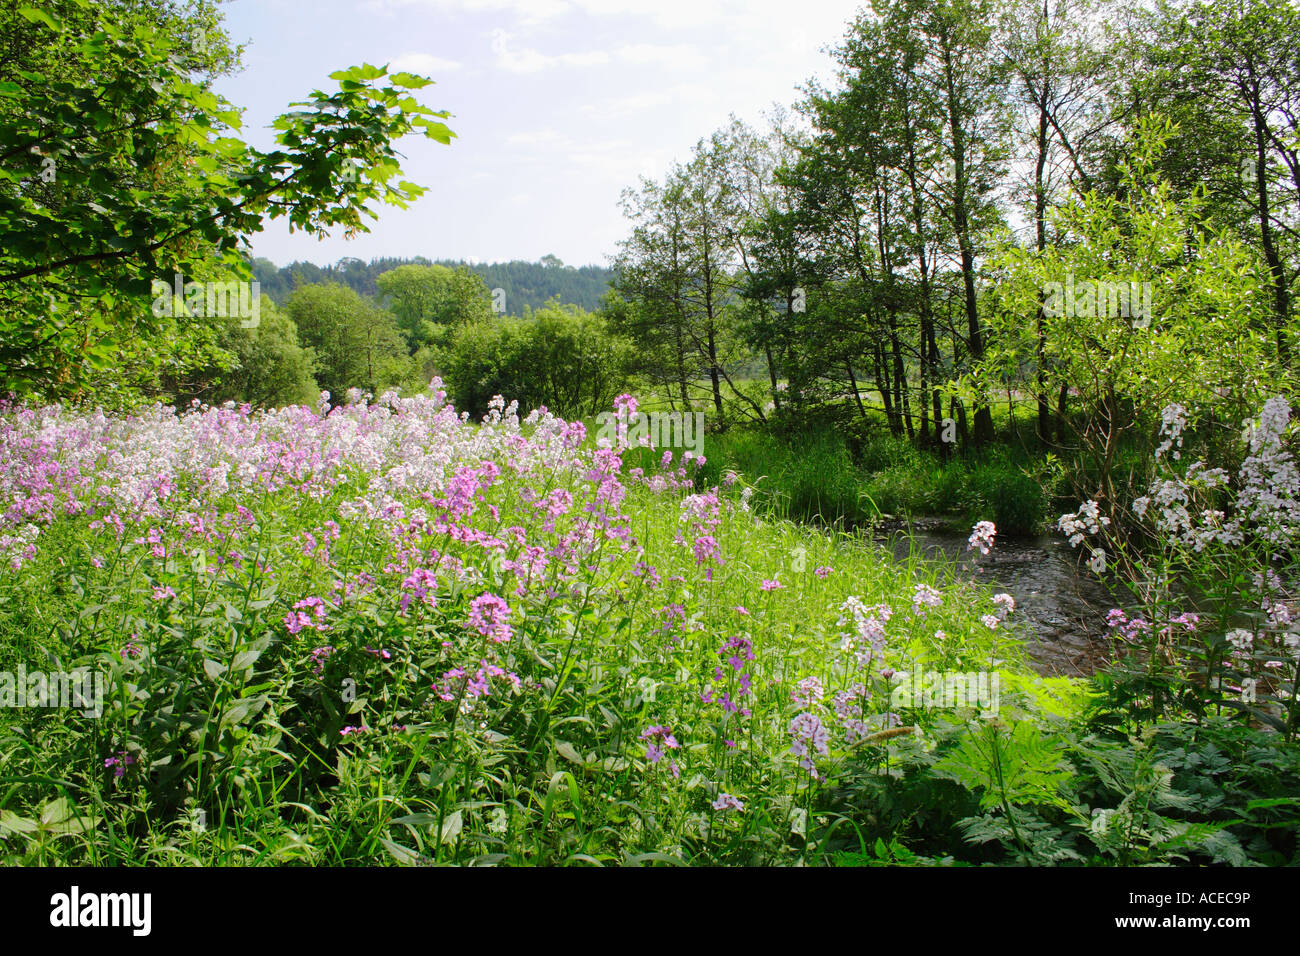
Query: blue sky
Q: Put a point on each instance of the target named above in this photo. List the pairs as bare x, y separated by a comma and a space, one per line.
558, 105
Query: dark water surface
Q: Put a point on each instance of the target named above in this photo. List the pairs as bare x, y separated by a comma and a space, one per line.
1060, 607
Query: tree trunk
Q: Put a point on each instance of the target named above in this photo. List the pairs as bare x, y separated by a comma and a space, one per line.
853, 381
1040, 224
961, 227
1276, 268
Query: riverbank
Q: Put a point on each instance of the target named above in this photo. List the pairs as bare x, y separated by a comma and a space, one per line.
840, 479
921, 510
1060, 607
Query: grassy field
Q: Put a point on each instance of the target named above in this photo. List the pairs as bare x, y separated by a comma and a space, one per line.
385, 635
855, 473
380, 634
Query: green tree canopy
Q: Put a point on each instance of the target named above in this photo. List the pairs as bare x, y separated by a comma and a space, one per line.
355, 342
119, 166
425, 297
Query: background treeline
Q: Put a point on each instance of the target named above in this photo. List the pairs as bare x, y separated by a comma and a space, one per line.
398, 323
884, 255
527, 285
875, 262
421, 321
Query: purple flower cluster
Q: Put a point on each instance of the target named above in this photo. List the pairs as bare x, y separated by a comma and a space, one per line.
809, 734
298, 618
735, 678
119, 762
489, 615
661, 739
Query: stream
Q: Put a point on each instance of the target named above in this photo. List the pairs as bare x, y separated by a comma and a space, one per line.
1060, 609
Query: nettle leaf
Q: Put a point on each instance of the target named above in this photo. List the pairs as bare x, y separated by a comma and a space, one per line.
10, 822
245, 659
451, 827
56, 811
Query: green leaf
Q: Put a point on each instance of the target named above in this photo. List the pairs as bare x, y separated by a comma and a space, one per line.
410, 81
12, 823
56, 811
244, 659
451, 827
567, 751
399, 853
418, 820
34, 15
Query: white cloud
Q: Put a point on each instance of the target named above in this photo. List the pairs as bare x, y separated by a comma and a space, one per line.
426, 64
526, 12
760, 17
537, 137
623, 105
620, 106
602, 157
677, 57
532, 61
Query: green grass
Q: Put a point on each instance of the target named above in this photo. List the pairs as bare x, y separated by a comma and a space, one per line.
706, 625
820, 477
234, 730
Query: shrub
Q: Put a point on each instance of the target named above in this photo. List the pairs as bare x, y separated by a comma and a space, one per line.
273, 370
1016, 502
356, 343
559, 357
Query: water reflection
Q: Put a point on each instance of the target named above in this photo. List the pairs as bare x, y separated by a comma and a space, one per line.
1060, 607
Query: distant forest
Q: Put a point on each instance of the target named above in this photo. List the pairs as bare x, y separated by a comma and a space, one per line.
526, 284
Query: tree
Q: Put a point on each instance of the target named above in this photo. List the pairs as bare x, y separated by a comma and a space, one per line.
560, 357
120, 167
678, 273
1228, 73
851, 174
356, 343
427, 297
1145, 306
648, 303
581, 366
272, 368
965, 78
1054, 53
769, 244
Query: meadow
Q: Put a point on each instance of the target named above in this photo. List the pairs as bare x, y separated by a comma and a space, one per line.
380, 633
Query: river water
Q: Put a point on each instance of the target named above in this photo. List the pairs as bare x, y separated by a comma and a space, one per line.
1060, 607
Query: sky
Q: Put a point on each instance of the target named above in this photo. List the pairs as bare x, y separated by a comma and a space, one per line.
557, 106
